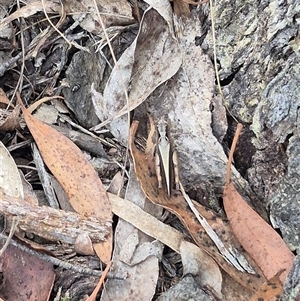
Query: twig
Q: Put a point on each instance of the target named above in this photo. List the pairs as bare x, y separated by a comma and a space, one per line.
53, 224
229, 254
97, 288
121, 80
232, 149
73, 267
12, 231
215, 58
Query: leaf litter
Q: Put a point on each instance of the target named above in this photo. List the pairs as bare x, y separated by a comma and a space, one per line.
256, 236
139, 79
79, 179
145, 170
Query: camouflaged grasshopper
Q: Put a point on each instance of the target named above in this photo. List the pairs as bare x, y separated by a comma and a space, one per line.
163, 160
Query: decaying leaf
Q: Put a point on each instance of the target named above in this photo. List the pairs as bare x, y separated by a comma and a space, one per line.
11, 122
135, 253
271, 290
151, 60
256, 236
204, 269
10, 179
25, 277
145, 170
163, 7
84, 11
66, 161
146, 222
29, 10
4, 101
79, 179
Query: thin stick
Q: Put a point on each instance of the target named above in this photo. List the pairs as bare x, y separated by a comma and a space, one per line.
215, 57
12, 231
232, 149
227, 253
92, 297
53, 260
122, 82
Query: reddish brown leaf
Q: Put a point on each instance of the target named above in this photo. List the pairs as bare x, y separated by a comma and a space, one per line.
11, 121
93, 296
4, 101
271, 290
145, 169
25, 277
76, 175
257, 237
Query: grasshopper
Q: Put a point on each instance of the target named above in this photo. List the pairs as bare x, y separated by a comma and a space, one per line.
162, 159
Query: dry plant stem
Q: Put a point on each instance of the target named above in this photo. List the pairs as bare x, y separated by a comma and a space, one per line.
226, 253
83, 130
44, 178
53, 26
232, 149
53, 224
97, 288
20, 80
122, 81
215, 57
13, 229
53, 260
195, 3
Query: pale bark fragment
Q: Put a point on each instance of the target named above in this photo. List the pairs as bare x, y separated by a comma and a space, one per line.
53, 224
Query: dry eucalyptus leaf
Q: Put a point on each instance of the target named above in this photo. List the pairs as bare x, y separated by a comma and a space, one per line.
71, 168
25, 277
164, 8
146, 222
145, 169
112, 13
271, 290
135, 254
204, 269
11, 120
257, 237
30, 9
77, 176
3, 98
10, 179
151, 60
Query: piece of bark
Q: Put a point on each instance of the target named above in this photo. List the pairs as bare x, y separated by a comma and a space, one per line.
83, 141
53, 224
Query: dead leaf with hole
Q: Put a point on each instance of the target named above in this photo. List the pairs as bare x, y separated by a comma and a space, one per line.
145, 169
76, 175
